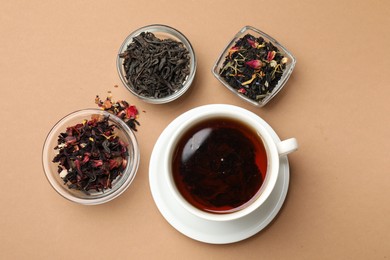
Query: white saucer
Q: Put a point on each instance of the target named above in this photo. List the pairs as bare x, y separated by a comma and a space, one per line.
213, 232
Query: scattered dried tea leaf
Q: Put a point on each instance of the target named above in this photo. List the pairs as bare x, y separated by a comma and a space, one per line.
128, 113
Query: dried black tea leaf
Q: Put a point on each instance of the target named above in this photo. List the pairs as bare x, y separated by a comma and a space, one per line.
155, 67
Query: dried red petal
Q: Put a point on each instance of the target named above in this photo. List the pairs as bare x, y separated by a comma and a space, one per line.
121, 114
271, 55
255, 64
242, 90
70, 139
115, 163
97, 163
131, 112
232, 50
123, 144
253, 43
85, 160
69, 131
78, 167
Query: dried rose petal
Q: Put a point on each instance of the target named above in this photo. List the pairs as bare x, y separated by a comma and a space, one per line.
131, 112
232, 50
242, 90
70, 139
85, 160
123, 144
271, 55
121, 114
253, 43
97, 163
78, 167
255, 64
113, 163
119, 160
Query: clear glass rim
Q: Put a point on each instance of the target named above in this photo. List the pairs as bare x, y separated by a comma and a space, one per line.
128, 174
176, 34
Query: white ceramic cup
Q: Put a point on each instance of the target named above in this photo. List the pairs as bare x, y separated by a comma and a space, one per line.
273, 149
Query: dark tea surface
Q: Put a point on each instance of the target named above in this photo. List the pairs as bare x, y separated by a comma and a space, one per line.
219, 165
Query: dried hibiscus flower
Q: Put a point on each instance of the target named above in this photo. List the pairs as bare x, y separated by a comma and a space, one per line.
128, 113
90, 155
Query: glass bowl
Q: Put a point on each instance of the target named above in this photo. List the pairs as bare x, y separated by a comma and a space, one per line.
118, 185
161, 32
289, 65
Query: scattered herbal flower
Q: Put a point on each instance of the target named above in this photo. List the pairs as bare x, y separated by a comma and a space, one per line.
122, 109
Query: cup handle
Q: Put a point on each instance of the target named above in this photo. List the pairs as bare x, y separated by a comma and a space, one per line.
287, 146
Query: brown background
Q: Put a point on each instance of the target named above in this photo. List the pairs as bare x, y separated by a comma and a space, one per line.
55, 57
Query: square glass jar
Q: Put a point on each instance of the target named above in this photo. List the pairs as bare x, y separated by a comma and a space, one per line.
289, 65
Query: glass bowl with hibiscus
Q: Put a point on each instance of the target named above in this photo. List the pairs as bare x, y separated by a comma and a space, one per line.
90, 156
254, 66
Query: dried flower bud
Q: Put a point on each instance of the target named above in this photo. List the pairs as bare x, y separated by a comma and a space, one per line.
232, 50
253, 43
271, 55
255, 64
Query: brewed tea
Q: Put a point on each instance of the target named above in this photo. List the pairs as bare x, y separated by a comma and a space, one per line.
219, 165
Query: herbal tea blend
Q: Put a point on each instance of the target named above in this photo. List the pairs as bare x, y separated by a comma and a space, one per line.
122, 109
90, 155
253, 67
155, 67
